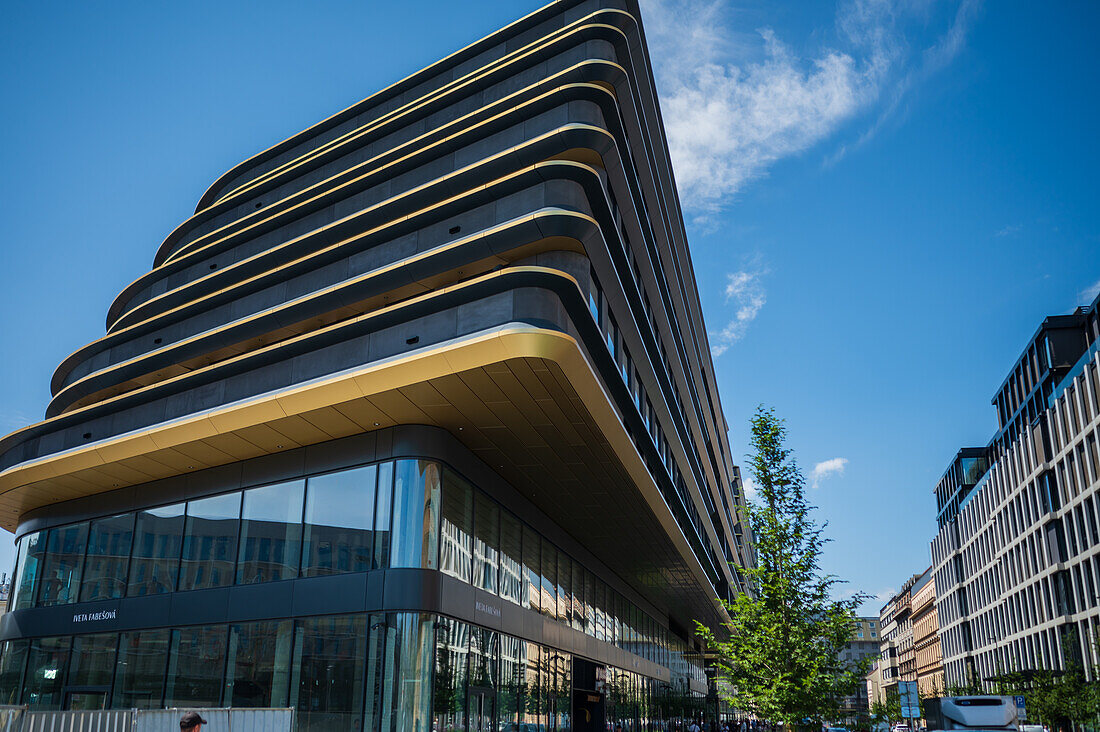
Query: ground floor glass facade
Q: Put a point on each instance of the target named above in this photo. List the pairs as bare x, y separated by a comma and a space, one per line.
378, 671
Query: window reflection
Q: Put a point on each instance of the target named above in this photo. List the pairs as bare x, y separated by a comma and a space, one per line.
408, 668
60, 574
382, 513
486, 542
563, 587
45, 677
328, 666
12, 662
549, 580
511, 559
388, 514
210, 542
413, 542
196, 664
108, 559
158, 535
339, 521
421, 672
139, 677
259, 664
93, 660
456, 528
31, 549
532, 588
271, 533
452, 641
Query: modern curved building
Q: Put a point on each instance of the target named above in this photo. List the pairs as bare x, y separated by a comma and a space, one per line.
413, 425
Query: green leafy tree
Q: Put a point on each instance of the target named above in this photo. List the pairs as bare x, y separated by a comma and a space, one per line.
887, 712
782, 657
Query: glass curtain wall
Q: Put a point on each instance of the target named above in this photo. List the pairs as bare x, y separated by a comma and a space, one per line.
271, 532
59, 579
109, 544
384, 672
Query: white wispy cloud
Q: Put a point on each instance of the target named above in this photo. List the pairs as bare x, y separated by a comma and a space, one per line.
734, 103
1087, 295
827, 468
878, 600
13, 420
1009, 230
745, 291
751, 493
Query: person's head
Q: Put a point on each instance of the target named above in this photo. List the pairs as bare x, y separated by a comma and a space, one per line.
191, 722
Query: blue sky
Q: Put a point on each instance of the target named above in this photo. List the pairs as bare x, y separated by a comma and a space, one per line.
884, 197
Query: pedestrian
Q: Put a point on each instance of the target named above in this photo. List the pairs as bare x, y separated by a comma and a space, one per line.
694, 727
191, 722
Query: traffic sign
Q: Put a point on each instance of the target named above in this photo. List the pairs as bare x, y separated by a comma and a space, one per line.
1021, 708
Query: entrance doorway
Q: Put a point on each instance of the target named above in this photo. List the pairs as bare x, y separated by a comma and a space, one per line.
483, 713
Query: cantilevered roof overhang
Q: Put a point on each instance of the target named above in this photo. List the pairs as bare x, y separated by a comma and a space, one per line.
524, 399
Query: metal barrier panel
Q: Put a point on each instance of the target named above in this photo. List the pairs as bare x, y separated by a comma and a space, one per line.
11, 718
18, 719
100, 720
261, 720
218, 720
159, 720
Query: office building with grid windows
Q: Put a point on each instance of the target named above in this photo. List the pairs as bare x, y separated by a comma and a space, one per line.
413, 425
1016, 557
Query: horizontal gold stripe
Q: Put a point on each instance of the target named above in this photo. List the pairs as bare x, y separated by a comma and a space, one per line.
522, 249
464, 81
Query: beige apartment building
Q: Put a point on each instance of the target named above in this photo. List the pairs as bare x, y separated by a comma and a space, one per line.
926, 636
897, 659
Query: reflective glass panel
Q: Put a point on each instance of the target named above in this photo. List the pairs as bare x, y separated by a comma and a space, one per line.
158, 535
532, 568
408, 673
271, 532
577, 617
339, 522
93, 659
382, 514
589, 603
45, 679
139, 676
486, 542
196, 665
60, 575
105, 568
31, 549
457, 527
415, 537
530, 691
511, 558
327, 673
513, 664
564, 583
452, 644
376, 670
259, 664
549, 579
210, 542
12, 663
